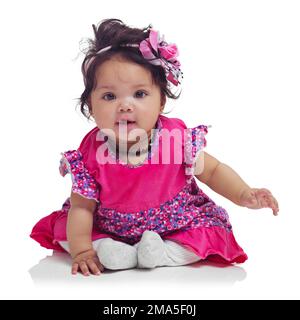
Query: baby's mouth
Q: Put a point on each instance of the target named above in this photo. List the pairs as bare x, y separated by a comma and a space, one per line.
126, 124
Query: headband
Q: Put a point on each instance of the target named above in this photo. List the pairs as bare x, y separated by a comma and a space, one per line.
157, 52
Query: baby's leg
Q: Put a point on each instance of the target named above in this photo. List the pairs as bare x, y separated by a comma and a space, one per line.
155, 252
113, 255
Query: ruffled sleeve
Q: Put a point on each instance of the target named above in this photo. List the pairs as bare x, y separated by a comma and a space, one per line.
82, 181
194, 143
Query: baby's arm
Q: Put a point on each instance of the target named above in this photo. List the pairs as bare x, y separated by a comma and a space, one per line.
79, 230
225, 181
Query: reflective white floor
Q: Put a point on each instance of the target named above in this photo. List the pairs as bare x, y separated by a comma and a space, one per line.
57, 268
184, 282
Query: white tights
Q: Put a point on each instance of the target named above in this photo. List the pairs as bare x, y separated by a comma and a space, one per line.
150, 252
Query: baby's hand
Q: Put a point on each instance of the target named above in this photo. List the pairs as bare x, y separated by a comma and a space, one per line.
254, 198
87, 262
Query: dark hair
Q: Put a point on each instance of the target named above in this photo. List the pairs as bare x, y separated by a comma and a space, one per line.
114, 33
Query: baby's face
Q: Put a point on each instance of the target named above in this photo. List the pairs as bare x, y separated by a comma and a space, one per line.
125, 91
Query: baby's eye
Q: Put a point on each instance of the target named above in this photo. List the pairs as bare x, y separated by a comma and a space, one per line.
140, 94
108, 96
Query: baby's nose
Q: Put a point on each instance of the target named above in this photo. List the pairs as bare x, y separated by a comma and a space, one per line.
126, 105
125, 108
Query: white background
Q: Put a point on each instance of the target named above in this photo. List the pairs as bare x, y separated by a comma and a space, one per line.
241, 75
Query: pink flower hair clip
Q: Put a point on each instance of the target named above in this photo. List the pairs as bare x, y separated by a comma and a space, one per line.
158, 52
155, 50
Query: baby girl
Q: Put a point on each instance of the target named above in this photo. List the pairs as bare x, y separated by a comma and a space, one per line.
135, 202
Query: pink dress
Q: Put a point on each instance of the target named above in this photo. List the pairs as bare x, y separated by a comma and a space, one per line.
161, 197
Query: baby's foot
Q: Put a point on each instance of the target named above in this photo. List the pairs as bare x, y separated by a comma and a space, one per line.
151, 250
116, 255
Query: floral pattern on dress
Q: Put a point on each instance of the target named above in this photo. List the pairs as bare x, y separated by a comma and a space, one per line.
189, 209
82, 182
195, 142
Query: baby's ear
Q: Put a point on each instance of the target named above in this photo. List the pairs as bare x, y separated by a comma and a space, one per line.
163, 102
